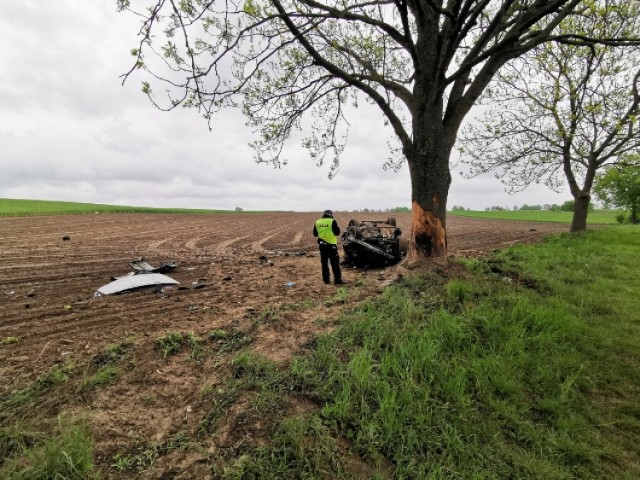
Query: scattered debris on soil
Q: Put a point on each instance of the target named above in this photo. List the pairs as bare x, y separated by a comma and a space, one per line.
133, 282
140, 265
143, 275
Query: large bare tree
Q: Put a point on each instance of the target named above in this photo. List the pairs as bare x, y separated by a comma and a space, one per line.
562, 112
424, 63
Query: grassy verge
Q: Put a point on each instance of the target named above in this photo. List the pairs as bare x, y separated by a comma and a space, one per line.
525, 365
65, 453
24, 208
606, 217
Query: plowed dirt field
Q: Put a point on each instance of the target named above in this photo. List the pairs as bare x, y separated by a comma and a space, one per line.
255, 277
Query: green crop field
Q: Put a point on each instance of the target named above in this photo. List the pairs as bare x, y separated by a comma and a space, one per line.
595, 217
24, 208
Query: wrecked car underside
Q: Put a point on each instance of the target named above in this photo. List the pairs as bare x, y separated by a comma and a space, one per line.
373, 243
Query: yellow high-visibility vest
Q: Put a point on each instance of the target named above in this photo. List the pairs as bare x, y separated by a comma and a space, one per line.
325, 232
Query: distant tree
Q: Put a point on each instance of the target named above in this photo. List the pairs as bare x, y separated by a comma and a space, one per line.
570, 206
401, 209
423, 63
238, 209
565, 111
531, 207
620, 186
458, 208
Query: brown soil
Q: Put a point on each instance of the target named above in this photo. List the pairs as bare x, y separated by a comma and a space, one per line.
47, 288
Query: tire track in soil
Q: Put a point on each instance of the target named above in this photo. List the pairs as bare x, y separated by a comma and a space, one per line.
222, 249
297, 239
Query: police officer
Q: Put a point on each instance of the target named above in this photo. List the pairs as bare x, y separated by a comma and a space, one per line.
327, 231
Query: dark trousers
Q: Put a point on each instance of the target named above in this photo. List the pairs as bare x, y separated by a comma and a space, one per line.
329, 253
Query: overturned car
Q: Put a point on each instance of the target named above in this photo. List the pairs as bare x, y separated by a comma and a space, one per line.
373, 243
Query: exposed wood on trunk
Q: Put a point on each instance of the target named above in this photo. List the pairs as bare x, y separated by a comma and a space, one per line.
428, 235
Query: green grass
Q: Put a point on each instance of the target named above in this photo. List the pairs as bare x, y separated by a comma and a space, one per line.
24, 208
607, 217
25, 399
142, 455
526, 366
103, 376
307, 451
65, 454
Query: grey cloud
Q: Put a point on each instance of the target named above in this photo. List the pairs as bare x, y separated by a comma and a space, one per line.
70, 131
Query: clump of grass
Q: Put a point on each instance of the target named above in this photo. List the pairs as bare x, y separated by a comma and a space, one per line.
170, 344
458, 291
195, 344
27, 397
341, 296
256, 371
251, 373
67, 454
101, 377
220, 400
300, 448
9, 340
17, 437
103, 367
142, 456
113, 354
217, 335
57, 375
272, 313
225, 343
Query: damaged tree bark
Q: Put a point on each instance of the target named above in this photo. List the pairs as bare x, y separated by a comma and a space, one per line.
430, 188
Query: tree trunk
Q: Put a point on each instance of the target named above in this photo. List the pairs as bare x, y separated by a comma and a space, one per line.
430, 180
580, 210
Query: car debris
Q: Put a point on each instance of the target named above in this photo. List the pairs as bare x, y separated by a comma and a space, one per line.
132, 282
140, 265
143, 275
373, 243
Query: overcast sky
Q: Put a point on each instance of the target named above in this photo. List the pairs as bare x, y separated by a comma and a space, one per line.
70, 131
